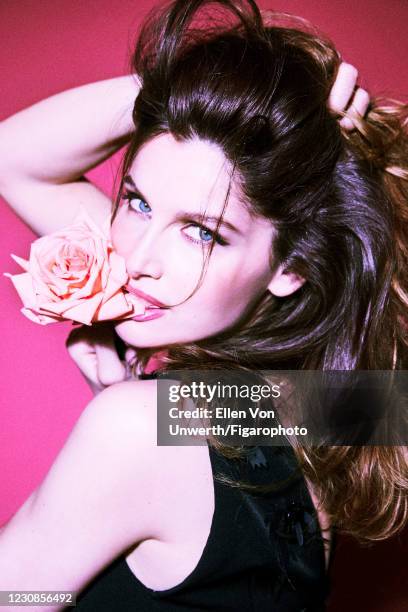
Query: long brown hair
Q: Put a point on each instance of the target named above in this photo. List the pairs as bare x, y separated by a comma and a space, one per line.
257, 86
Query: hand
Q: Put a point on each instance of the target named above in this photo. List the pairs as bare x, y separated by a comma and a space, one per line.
344, 95
94, 351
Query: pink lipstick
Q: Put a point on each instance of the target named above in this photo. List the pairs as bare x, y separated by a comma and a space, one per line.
150, 313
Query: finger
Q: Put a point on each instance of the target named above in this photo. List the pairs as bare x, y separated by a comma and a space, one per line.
109, 367
83, 355
361, 101
358, 108
131, 362
76, 334
343, 87
130, 354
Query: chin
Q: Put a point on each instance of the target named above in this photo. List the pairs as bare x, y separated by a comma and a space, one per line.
135, 334
144, 335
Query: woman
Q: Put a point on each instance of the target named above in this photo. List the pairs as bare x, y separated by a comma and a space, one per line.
259, 153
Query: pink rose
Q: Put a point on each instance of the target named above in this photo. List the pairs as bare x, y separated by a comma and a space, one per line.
75, 274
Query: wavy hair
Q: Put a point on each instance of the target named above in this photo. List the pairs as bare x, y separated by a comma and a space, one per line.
257, 85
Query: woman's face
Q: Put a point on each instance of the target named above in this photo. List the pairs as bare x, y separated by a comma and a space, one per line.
157, 231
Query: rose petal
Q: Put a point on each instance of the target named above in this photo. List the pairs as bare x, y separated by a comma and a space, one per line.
21, 262
23, 283
117, 276
82, 312
39, 318
115, 307
43, 283
93, 283
88, 305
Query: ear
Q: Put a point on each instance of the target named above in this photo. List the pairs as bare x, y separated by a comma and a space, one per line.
285, 283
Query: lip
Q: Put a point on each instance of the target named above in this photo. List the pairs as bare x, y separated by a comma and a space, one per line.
147, 317
145, 296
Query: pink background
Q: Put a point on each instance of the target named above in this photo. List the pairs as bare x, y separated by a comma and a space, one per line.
52, 45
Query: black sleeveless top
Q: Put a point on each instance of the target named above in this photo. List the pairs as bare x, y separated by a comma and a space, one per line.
264, 551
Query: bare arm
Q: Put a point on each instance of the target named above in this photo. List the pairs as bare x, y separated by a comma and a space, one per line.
96, 500
46, 148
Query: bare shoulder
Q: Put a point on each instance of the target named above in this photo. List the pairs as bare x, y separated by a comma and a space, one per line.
125, 415
118, 429
131, 408
128, 407
185, 470
96, 499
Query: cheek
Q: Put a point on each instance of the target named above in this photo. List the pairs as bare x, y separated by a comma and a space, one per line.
233, 289
225, 298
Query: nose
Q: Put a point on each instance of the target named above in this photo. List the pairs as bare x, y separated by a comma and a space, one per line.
145, 259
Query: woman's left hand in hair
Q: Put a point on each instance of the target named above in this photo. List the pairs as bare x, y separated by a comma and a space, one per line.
346, 96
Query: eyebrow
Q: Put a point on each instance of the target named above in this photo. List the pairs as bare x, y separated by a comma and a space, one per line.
184, 215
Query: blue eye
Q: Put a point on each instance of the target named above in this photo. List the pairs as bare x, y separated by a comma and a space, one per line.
205, 236
143, 206
208, 233
137, 204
